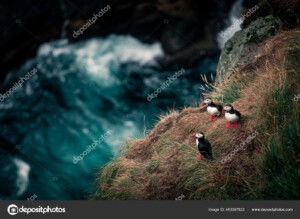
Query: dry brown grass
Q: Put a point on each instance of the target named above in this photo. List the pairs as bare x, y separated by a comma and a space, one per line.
163, 164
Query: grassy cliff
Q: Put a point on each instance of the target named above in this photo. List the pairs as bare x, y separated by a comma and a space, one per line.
258, 160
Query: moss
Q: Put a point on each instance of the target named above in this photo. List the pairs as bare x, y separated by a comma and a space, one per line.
236, 55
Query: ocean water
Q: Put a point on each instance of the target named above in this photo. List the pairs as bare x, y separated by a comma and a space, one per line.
71, 116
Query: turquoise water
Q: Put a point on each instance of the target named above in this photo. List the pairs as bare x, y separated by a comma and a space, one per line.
70, 117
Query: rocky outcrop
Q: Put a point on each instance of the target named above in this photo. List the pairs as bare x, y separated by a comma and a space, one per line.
243, 48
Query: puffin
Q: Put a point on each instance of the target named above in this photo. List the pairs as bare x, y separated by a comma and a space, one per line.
231, 115
214, 110
203, 145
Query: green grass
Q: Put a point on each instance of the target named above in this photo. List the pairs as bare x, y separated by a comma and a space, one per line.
281, 165
127, 186
221, 146
280, 107
164, 143
112, 169
294, 54
151, 166
232, 92
108, 174
281, 158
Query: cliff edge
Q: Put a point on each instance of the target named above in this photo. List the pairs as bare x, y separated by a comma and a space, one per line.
257, 160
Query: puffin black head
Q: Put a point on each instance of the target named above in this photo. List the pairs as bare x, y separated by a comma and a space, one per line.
228, 107
198, 135
207, 101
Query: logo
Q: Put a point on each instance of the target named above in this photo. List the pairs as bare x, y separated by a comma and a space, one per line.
12, 209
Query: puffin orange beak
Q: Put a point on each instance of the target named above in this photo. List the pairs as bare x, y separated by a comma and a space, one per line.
203, 104
194, 136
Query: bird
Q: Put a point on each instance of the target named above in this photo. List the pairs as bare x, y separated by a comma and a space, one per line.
232, 115
203, 145
214, 110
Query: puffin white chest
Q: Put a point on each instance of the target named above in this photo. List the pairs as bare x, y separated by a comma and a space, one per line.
197, 142
213, 111
231, 117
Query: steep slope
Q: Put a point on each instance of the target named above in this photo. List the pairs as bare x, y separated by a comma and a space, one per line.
264, 159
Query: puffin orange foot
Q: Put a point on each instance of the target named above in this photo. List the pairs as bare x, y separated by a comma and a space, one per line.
235, 125
199, 156
214, 118
228, 125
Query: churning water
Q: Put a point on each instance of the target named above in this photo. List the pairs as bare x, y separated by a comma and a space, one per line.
81, 92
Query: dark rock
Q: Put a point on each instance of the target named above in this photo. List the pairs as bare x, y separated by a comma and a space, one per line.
243, 47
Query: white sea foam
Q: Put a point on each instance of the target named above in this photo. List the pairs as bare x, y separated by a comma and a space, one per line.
128, 130
234, 24
23, 175
103, 57
57, 47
